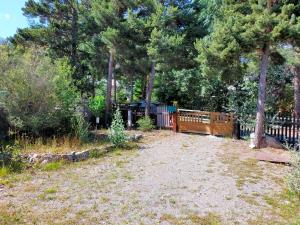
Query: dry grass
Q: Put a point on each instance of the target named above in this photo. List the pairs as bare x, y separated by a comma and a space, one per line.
209, 219
55, 145
244, 170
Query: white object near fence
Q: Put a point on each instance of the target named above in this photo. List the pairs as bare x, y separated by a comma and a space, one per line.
164, 119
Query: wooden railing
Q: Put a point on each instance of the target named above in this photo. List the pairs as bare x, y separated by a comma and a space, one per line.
214, 123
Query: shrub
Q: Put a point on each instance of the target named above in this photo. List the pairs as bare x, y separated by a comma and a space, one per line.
40, 96
10, 159
117, 134
293, 178
80, 127
145, 124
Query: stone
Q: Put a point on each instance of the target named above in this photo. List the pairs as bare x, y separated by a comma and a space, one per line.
272, 142
82, 155
268, 141
136, 137
33, 158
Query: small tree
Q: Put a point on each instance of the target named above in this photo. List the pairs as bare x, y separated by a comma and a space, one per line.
117, 134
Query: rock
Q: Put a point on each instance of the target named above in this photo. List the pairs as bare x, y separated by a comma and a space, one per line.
82, 155
272, 142
136, 137
33, 158
268, 141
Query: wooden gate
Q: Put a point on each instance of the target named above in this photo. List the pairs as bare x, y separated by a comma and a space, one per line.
213, 123
164, 116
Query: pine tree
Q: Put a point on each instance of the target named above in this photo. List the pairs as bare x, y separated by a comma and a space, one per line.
247, 27
117, 131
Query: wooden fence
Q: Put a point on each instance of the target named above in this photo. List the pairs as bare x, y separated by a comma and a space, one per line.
165, 116
213, 123
284, 128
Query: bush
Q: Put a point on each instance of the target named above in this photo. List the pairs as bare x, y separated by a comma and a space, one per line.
117, 134
80, 127
145, 124
40, 97
10, 159
293, 178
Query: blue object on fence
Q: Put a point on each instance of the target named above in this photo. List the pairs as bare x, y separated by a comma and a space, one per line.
171, 108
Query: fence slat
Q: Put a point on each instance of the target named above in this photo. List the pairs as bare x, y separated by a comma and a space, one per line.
285, 128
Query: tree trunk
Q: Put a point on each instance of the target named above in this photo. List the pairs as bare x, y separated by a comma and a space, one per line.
109, 87
295, 70
260, 114
115, 89
149, 89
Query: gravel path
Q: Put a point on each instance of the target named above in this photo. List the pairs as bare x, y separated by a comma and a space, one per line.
172, 179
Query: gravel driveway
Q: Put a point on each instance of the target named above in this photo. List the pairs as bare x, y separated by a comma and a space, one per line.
171, 179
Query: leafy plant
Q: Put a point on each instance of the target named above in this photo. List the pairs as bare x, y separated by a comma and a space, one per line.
10, 159
80, 127
145, 124
97, 105
117, 134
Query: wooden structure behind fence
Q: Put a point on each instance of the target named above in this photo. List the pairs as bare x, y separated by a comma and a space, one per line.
213, 123
164, 117
284, 128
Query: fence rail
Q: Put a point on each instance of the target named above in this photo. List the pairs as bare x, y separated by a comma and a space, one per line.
284, 128
214, 123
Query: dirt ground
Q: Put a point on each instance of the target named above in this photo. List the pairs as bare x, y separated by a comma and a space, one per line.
171, 179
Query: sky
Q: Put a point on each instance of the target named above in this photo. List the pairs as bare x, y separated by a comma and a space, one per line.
11, 17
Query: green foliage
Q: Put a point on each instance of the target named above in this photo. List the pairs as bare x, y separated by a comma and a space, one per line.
40, 94
145, 124
117, 134
80, 127
10, 160
293, 179
52, 166
191, 90
97, 105
95, 153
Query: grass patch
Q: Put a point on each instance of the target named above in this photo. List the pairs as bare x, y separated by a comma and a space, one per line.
57, 144
48, 194
249, 199
209, 219
246, 171
52, 166
4, 171
97, 153
8, 216
286, 205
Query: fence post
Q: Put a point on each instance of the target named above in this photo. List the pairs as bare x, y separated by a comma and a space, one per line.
174, 121
236, 127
